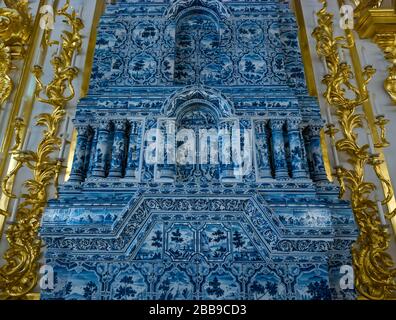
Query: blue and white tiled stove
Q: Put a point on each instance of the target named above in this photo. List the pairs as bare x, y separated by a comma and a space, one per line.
125, 228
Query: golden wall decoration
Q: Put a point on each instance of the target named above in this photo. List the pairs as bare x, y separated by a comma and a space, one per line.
379, 24
363, 5
19, 274
374, 269
15, 31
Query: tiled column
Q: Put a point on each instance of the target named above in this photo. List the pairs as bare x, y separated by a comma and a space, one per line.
263, 156
119, 148
295, 145
77, 172
278, 149
133, 151
315, 150
102, 148
93, 151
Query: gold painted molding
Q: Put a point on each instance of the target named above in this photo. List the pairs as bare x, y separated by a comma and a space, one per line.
374, 22
379, 25
33, 296
69, 163
304, 46
373, 126
100, 7
373, 122
20, 90
363, 5
375, 272
309, 76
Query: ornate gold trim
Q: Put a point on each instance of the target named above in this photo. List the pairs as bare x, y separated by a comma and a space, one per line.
100, 6
70, 158
15, 32
326, 158
380, 26
32, 296
374, 22
375, 123
374, 269
19, 275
